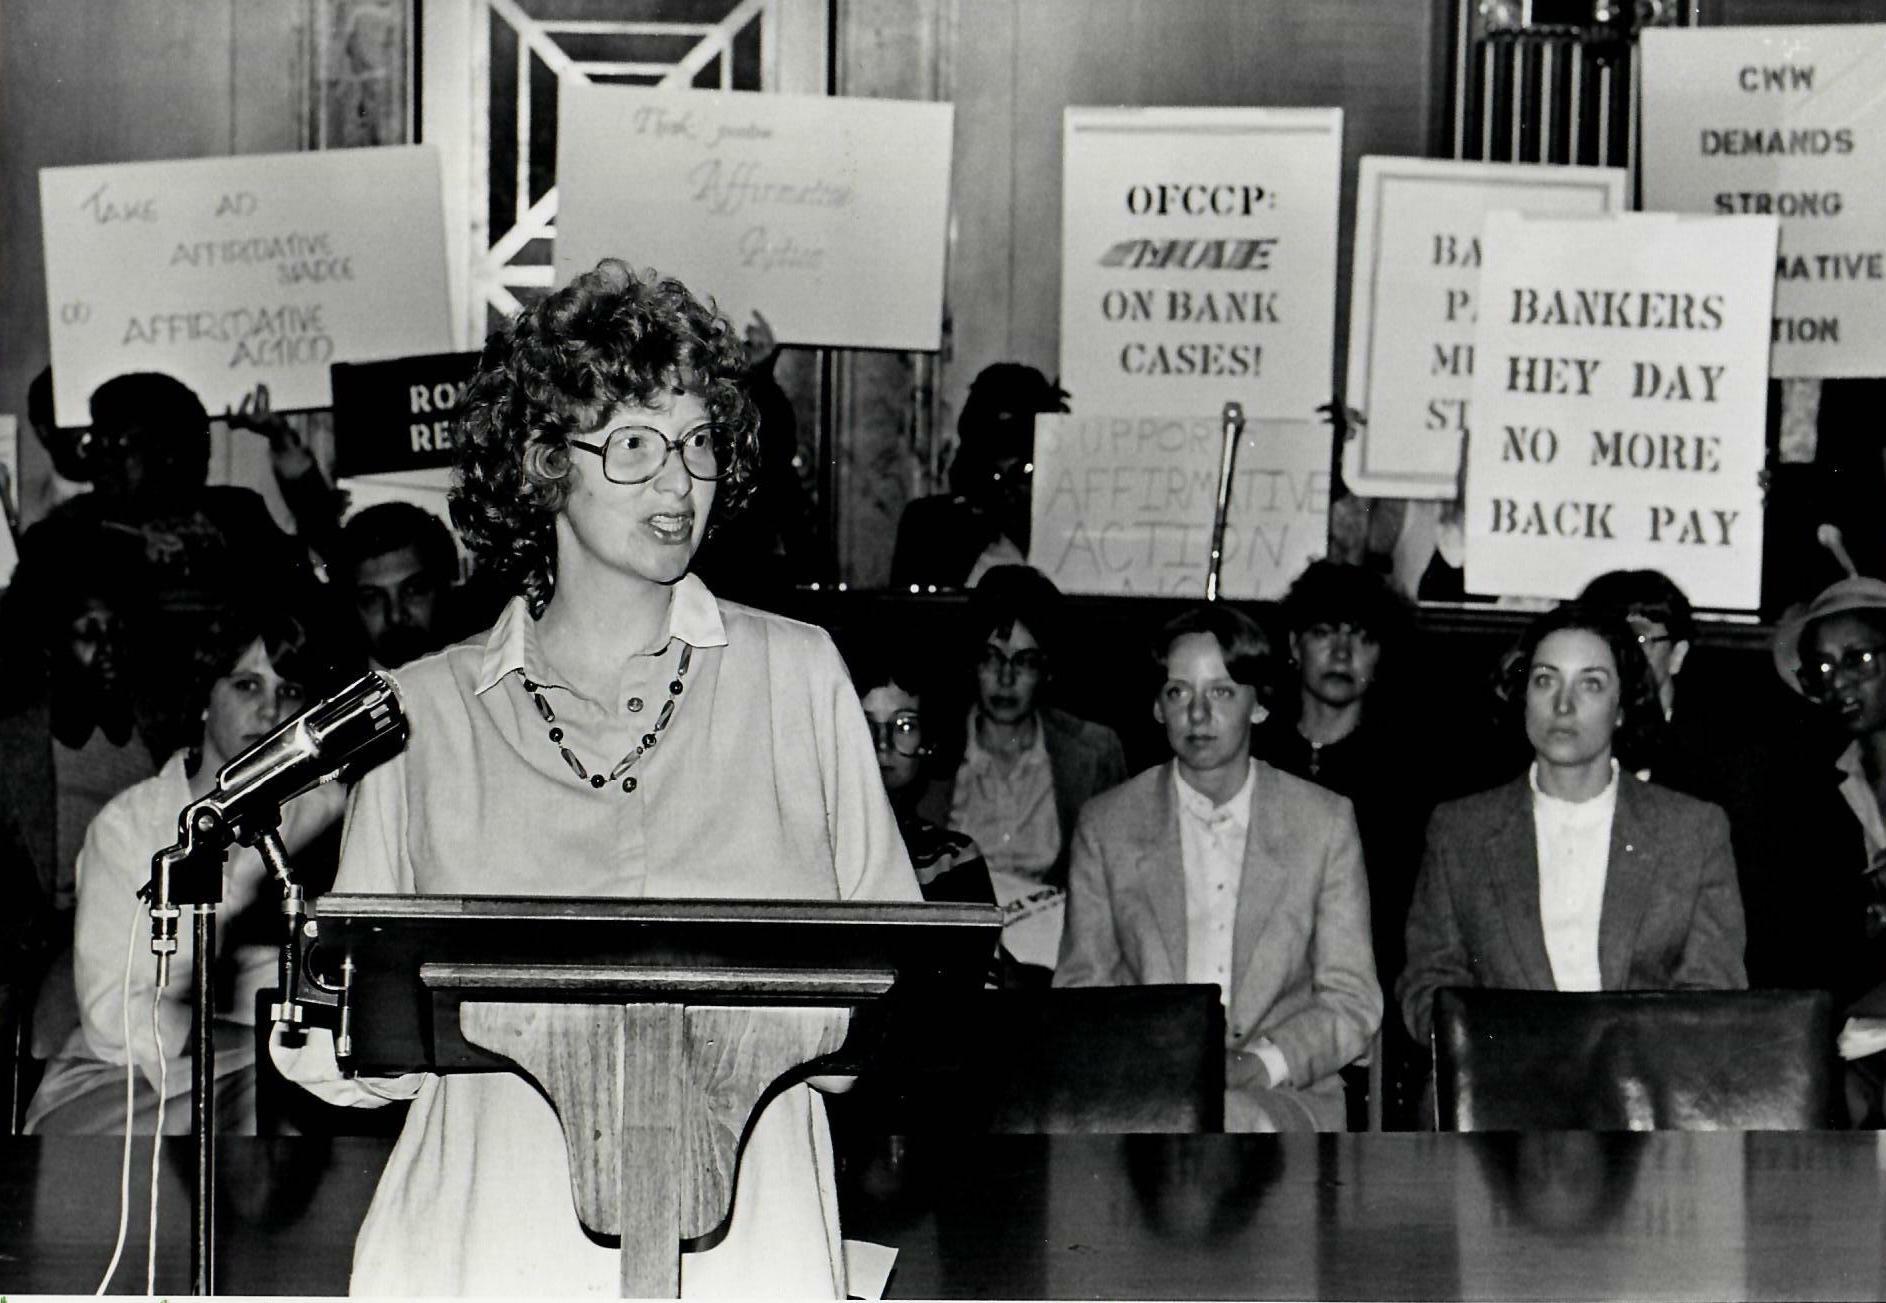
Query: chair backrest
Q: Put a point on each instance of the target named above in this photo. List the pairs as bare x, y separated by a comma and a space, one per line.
1635, 1061
1118, 1059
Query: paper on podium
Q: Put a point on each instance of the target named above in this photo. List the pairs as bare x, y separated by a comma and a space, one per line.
867, 1268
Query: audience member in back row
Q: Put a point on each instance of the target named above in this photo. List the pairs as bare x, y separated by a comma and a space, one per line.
1721, 743
1576, 877
949, 540
400, 566
1828, 913
179, 542
1218, 868
1347, 628
949, 864
255, 666
1021, 769
73, 735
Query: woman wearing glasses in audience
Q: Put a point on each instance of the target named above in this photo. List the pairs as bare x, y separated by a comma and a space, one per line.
1577, 876
618, 732
1021, 769
1823, 923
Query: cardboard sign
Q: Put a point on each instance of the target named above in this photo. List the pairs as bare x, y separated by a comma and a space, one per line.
397, 416
827, 215
1417, 264
1125, 504
1618, 396
1791, 122
226, 272
1198, 253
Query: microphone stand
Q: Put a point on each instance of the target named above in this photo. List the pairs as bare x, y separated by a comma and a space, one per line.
1227, 458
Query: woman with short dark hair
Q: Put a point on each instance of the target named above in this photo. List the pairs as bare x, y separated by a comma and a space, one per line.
1578, 876
256, 665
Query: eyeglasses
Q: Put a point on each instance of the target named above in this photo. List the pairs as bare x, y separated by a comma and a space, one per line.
1026, 661
904, 734
635, 454
1860, 664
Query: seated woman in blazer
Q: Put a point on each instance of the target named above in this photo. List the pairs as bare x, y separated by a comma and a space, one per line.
1217, 868
1575, 876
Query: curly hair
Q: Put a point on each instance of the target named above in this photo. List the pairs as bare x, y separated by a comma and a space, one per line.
1637, 736
558, 369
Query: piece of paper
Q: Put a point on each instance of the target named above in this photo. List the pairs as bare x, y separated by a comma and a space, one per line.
867, 1268
1032, 913
828, 215
229, 272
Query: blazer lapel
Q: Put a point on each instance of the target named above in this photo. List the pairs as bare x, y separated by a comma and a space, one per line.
1513, 877
1162, 871
1264, 883
1628, 879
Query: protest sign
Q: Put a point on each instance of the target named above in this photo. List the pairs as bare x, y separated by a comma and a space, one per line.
828, 215
397, 415
1417, 263
1619, 403
228, 272
1788, 121
1125, 504
1198, 258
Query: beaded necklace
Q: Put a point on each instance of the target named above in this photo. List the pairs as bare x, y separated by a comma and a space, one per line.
627, 762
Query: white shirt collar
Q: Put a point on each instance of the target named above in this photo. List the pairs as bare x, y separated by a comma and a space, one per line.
1598, 807
1237, 810
693, 617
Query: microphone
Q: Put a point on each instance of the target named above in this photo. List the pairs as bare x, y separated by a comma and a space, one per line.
1227, 458
349, 732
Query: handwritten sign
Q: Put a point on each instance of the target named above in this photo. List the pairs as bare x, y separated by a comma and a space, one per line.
1790, 122
1618, 396
1124, 504
397, 416
1417, 264
1198, 255
228, 271
827, 215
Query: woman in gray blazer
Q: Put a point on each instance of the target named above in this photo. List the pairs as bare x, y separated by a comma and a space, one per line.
1577, 875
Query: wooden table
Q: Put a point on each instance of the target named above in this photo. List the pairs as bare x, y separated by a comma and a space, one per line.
1667, 1215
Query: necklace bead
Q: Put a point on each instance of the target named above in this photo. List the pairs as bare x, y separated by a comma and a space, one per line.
598, 781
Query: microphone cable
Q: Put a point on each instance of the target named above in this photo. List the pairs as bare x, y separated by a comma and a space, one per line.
130, 1112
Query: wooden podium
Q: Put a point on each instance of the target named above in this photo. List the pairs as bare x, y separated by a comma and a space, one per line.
656, 1027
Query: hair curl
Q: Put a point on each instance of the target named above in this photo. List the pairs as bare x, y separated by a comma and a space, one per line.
1638, 734
558, 369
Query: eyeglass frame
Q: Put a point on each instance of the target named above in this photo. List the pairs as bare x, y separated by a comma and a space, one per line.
669, 448
1861, 664
993, 660
896, 730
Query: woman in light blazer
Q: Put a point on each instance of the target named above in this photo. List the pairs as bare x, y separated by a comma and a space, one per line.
1576, 875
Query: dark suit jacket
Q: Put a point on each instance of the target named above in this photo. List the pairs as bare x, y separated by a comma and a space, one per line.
1303, 969
1084, 759
1671, 917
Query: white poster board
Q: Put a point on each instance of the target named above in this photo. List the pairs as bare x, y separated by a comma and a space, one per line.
1789, 121
226, 272
828, 215
1198, 258
1411, 313
1619, 403
1124, 504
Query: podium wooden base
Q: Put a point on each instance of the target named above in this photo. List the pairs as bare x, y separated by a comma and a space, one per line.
654, 1152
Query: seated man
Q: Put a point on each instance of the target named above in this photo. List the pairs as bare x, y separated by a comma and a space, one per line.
950, 540
399, 563
1217, 868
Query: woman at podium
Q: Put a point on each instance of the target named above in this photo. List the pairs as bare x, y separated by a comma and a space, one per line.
617, 732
